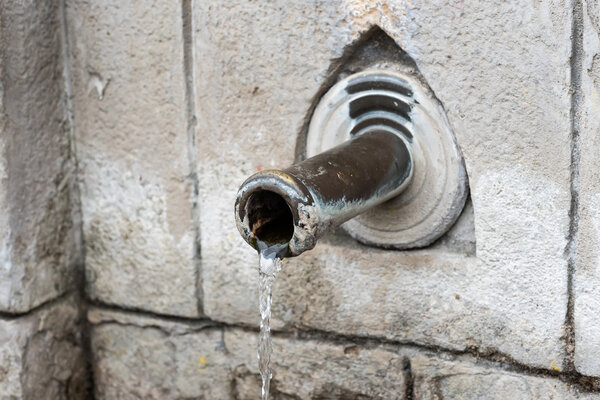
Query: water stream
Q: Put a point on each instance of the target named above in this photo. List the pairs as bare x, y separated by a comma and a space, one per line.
268, 267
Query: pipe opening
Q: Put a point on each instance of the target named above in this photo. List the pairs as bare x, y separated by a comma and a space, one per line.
270, 218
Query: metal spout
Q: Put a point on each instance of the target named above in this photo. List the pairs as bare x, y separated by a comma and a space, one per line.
297, 205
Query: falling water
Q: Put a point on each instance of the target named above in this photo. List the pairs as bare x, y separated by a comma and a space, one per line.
268, 267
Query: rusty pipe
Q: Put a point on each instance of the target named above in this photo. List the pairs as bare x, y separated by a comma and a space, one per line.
297, 205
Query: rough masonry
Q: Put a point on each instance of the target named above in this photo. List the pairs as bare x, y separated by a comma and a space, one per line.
127, 127
42, 345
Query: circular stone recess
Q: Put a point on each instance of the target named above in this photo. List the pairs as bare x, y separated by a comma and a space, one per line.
396, 102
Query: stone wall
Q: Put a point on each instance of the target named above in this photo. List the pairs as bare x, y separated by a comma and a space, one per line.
41, 323
173, 104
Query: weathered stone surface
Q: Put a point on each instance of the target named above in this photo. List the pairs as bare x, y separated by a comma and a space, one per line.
130, 124
41, 354
512, 122
139, 357
461, 378
150, 358
587, 271
254, 82
314, 369
502, 74
38, 248
257, 68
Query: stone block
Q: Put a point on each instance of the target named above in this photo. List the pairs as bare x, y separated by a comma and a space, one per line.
586, 283
140, 357
132, 145
449, 377
41, 354
258, 67
38, 245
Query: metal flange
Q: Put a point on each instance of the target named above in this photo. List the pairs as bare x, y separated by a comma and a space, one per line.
398, 103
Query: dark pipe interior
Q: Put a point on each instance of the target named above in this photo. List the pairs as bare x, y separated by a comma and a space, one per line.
270, 217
